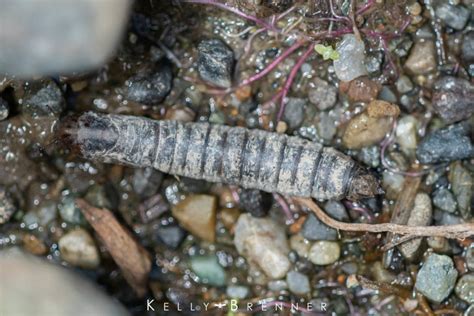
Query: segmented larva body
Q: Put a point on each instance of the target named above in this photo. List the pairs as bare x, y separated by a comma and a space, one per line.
216, 153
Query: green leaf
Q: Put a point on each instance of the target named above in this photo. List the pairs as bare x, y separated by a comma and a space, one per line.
326, 51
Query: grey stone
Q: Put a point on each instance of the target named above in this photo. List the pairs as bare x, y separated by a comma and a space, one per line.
326, 126
151, 85
171, 235
277, 285
470, 257
146, 181
4, 109
465, 288
453, 99
300, 245
322, 94
294, 112
298, 283
404, 84
468, 47
237, 291
444, 199
455, 16
314, 229
215, 62
351, 62
436, 278
57, 37
207, 268
7, 206
263, 242
69, 212
26, 276
447, 144
373, 62
43, 99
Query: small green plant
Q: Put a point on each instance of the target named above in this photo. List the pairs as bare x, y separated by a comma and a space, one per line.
326, 51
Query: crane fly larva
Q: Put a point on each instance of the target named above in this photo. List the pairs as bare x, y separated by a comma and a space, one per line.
252, 159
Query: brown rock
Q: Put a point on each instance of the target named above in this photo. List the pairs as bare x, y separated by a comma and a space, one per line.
197, 214
33, 245
363, 89
422, 59
180, 113
78, 248
370, 126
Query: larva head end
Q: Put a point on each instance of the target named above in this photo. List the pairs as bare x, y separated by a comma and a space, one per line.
364, 185
65, 134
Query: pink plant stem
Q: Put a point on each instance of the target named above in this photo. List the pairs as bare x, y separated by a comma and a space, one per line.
367, 6
291, 77
235, 11
340, 17
284, 206
272, 65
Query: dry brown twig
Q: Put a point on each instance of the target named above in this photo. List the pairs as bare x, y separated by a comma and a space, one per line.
459, 231
130, 256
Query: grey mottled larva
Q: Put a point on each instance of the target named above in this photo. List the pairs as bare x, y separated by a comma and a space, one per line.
248, 158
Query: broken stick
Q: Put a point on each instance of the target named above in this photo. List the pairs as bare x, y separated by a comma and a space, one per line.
130, 256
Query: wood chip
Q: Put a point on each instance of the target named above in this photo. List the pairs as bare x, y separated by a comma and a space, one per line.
130, 256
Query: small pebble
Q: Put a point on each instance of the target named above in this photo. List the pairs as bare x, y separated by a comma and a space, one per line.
264, 243
170, 235
370, 126
363, 89
238, 292
255, 202
453, 99
324, 252
468, 47
281, 127
277, 285
4, 109
298, 283
351, 62
208, 269
215, 62
69, 212
470, 257
420, 216
43, 99
461, 185
7, 206
455, 16
406, 134
436, 278
180, 113
422, 58
299, 244
197, 214
404, 84
294, 112
78, 248
444, 199
465, 288
151, 85
446, 144
314, 229
322, 94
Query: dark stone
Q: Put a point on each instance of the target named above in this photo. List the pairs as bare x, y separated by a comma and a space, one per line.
294, 112
454, 16
4, 109
468, 47
151, 85
215, 62
255, 202
314, 229
446, 144
146, 181
45, 99
453, 99
171, 235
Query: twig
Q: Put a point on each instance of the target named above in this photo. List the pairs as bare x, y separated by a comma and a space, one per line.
460, 231
130, 256
379, 286
290, 79
396, 241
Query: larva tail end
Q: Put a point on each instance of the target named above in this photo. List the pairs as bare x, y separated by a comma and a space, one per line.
65, 134
364, 185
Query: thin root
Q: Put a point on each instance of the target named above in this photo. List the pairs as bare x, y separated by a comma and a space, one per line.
448, 231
